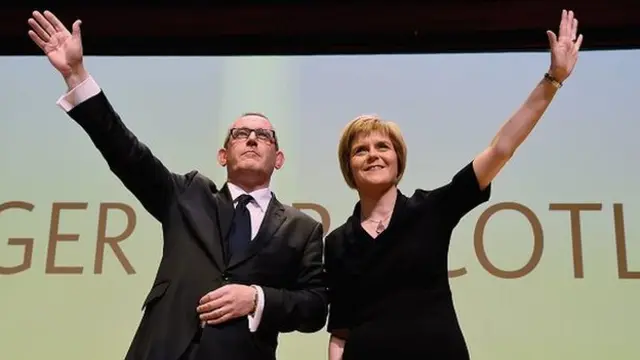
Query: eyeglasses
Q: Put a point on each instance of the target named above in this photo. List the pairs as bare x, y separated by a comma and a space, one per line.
266, 135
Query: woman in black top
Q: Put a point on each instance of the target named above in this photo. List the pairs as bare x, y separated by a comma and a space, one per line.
387, 264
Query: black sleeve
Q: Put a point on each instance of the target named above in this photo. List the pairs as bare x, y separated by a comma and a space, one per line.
128, 158
303, 309
339, 315
461, 195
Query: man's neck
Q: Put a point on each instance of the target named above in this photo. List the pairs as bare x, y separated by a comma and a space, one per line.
248, 187
249, 181
378, 206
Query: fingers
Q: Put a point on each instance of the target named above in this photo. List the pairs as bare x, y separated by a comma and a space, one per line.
38, 29
222, 319
213, 314
217, 316
44, 23
212, 310
205, 299
578, 43
216, 307
563, 32
75, 28
568, 30
37, 39
214, 299
53, 20
563, 21
566, 25
211, 305
215, 294
553, 40
44, 26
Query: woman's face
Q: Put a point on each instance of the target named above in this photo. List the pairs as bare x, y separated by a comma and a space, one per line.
374, 162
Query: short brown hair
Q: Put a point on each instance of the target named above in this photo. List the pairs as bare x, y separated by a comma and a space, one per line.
365, 125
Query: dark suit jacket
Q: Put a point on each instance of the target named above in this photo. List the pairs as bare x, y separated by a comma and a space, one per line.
285, 258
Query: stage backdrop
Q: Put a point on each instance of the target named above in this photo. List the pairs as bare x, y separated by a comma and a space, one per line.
548, 269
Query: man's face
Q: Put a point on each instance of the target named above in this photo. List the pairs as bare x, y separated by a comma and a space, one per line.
251, 148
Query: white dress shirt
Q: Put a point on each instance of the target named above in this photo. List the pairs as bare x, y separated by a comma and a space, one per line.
257, 207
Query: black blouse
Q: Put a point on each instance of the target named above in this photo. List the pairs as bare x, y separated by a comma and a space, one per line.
400, 279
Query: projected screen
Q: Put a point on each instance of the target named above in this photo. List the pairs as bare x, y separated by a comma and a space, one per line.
548, 269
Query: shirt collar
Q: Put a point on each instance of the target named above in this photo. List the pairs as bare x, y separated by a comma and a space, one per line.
261, 196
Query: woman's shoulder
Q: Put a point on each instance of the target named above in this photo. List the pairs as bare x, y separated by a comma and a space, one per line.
420, 197
338, 234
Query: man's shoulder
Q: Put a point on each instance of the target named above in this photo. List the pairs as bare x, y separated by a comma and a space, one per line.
196, 178
302, 223
299, 215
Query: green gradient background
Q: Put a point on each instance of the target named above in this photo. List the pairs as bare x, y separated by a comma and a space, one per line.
449, 106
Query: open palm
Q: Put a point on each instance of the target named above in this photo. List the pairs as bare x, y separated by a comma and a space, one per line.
564, 47
64, 49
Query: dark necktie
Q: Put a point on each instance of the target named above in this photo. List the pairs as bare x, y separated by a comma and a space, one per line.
240, 235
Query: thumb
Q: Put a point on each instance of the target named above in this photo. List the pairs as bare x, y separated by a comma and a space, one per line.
75, 29
553, 40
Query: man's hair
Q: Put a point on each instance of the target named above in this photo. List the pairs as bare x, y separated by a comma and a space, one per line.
365, 125
255, 114
275, 137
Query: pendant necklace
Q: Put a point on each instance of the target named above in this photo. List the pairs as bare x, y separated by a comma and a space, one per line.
380, 227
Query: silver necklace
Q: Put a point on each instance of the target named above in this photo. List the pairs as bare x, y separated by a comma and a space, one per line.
380, 227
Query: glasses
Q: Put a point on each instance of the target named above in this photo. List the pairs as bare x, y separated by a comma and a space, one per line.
265, 135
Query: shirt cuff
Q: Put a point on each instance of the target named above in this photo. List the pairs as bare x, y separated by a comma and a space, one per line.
254, 320
84, 91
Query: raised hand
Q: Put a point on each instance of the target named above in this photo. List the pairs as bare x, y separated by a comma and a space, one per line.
64, 49
564, 47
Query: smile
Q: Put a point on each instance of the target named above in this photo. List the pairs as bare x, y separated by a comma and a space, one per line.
374, 167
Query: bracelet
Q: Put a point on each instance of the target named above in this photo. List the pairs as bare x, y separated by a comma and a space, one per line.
552, 80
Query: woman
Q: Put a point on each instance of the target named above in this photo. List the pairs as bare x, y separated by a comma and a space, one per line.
387, 264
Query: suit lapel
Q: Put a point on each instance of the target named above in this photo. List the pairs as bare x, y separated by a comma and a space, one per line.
201, 208
273, 219
225, 217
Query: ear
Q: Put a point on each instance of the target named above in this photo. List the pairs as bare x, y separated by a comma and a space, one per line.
279, 159
222, 157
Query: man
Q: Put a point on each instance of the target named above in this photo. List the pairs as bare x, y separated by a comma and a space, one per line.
238, 266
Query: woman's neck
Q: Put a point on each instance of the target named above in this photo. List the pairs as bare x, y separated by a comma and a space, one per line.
378, 206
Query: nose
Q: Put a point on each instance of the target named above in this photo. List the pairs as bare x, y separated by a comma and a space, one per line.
373, 155
252, 139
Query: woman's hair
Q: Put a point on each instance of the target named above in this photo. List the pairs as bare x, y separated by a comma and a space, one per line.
365, 125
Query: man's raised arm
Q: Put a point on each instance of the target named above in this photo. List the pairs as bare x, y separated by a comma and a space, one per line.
129, 159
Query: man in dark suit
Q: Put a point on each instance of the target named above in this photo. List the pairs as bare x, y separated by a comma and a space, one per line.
238, 267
